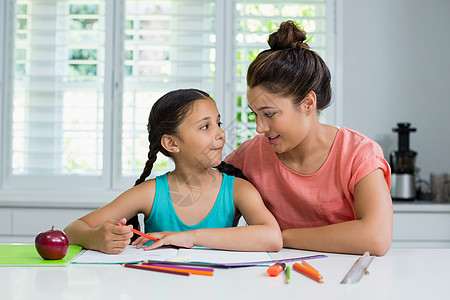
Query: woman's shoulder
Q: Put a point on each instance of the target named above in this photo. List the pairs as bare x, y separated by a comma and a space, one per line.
351, 134
349, 138
246, 150
355, 148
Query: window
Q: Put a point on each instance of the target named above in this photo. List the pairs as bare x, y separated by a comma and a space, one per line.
167, 45
79, 78
254, 21
55, 95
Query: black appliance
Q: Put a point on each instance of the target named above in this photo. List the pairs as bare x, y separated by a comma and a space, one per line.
402, 163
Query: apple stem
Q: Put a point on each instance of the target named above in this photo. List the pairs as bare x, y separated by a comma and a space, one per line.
53, 227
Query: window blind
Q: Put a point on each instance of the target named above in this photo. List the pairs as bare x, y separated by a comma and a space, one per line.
168, 45
57, 124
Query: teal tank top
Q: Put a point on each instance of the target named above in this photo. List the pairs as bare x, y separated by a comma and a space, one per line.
164, 218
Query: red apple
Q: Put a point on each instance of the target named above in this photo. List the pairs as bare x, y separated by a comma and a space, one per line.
51, 244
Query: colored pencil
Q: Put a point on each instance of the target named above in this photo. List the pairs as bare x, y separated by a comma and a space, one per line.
133, 266
309, 266
174, 268
140, 233
180, 267
308, 272
288, 274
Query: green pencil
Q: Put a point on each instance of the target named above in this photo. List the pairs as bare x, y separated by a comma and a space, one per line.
288, 274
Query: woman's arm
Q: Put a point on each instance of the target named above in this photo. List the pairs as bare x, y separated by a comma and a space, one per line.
98, 230
262, 233
371, 231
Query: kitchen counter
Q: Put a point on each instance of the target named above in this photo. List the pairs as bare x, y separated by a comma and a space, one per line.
420, 206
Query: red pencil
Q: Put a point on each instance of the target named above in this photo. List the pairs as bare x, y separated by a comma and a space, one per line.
156, 270
140, 233
308, 272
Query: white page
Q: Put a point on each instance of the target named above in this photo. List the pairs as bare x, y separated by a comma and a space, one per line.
196, 254
222, 256
130, 255
287, 253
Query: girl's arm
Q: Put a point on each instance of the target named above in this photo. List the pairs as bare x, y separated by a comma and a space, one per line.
98, 230
371, 231
261, 234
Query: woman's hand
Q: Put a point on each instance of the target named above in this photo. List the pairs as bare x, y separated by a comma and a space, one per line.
183, 239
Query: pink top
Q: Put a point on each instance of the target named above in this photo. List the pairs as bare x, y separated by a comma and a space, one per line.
322, 198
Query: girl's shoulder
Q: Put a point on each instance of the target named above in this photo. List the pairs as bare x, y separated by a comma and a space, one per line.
242, 187
145, 187
138, 198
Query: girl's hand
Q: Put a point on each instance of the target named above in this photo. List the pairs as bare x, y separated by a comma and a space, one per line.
139, 242
113, 238
183, 239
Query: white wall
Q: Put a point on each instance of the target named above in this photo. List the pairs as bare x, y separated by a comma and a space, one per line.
396, 67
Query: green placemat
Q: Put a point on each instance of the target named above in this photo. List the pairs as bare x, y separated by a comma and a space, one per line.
27, 255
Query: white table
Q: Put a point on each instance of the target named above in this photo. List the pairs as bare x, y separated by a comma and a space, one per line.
400, 274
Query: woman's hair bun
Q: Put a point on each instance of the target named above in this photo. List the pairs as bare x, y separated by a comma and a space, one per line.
288, 36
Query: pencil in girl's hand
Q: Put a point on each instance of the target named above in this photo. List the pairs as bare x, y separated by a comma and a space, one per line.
140, 233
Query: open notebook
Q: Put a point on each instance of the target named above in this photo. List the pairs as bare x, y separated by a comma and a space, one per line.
219, 258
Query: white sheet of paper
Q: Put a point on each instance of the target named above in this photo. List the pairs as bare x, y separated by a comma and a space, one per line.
197, 254
223, 256
130, 255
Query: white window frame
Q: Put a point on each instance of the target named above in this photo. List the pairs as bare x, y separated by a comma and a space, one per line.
3, 16
112, 183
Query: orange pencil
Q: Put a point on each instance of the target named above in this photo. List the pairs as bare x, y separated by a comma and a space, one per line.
310, 267
155, 270
140, 233
308, 272
174, 268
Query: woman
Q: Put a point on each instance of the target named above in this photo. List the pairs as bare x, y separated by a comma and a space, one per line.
327, 187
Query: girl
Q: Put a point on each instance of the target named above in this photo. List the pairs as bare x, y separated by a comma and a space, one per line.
327, 187
192, 205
